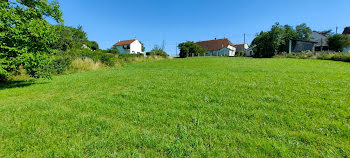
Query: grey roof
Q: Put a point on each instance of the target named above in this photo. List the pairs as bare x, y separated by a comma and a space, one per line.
317, 37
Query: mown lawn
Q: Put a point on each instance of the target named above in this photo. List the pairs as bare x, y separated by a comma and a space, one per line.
183, 107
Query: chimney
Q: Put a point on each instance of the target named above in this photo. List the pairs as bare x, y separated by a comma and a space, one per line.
215, 38
118, 40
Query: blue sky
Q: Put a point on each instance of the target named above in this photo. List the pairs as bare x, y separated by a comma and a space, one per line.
175, 21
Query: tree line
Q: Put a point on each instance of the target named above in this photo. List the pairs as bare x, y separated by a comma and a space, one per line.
268, 44
28, 41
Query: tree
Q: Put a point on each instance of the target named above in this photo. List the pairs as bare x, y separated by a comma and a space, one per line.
304, 32
326, 32
143, 47
158, 51
113, 50
338, 42
188, 48
93, 45
26, 37
267, 44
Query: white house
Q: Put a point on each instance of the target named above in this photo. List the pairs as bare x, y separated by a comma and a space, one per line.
218, 47
129, 47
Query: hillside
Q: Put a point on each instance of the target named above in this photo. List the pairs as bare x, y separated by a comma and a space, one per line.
183, 107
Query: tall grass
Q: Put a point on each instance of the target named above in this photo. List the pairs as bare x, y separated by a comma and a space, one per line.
85, 64
322, 56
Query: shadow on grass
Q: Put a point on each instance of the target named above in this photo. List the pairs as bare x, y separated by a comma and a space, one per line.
17, 84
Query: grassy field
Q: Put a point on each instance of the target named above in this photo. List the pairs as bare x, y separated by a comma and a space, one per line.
205, 107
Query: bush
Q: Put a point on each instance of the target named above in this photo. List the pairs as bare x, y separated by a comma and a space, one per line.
341, 57
60, 64
322, 56
338, 42
241, 53
108, 59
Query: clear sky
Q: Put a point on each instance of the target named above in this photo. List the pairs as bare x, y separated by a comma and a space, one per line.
175, 21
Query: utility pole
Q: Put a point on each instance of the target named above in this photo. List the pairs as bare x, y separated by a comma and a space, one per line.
244, 38
336, 30
176, 50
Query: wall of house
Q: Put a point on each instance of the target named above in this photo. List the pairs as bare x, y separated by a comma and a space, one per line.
249, 52
122, 50
241, 47
231, 51
304, 46
136, 47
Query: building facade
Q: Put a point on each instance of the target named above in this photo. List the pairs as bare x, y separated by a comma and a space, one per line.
321, 41
218, 47
129, 47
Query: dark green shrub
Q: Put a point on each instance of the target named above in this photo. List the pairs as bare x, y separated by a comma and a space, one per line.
108, 59
61, 63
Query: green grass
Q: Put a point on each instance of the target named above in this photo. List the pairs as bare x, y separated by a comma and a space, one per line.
203, 107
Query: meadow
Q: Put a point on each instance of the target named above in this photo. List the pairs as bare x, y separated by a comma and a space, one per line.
195, 107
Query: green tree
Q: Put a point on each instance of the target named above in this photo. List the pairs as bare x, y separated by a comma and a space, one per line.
143, 47
158, 51
338, 42
267, 44
113, 50
188, 48
25, 36
326, 32
304, 32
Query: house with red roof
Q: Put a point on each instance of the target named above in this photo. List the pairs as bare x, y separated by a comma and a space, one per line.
218, 47
129, 47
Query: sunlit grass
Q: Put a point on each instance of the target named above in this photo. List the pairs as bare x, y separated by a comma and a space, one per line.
183, 107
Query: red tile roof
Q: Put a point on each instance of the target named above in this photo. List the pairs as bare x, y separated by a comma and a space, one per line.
346, 31
216, 44
127, 42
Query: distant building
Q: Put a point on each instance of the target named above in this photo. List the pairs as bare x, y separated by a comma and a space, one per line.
321, 41
346, 32
218, 47
299, 46
241, 46
244, 47
129, 47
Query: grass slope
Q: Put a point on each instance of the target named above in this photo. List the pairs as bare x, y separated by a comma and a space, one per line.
183, 107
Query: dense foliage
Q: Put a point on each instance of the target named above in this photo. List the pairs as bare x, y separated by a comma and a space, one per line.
338, 42
190, 48
157, 51
28, 41
267, 44
26, 37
